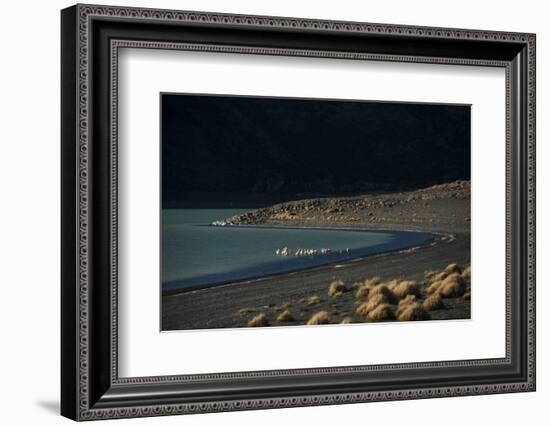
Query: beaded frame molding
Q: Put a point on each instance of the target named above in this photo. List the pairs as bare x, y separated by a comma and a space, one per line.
91, 39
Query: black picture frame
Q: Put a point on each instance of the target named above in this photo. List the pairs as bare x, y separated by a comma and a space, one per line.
90, 386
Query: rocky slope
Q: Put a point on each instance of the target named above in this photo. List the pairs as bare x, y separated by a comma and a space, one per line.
436, 207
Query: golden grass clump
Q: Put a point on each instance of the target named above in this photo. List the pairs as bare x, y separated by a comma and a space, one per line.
411, 298
392, 284
407, 288
258, 321
346, 320
439, 277
362, 292
282, 307
385, 291
372, 282
433, 303
453, 268
466, 296
407, 299
285, 316
336, 288
428, 275
467, 273
364, 309
413, 312
434, 287
383, 312
313, 300
452, 286
368, 283
321, 317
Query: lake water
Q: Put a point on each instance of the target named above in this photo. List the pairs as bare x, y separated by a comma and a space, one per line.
195, 254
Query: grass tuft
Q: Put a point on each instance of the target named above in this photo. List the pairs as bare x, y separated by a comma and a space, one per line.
313, 300
452, 269
362, 293
321, 317
392, 284
336, 288
372, 282
413, 312
411, 298
258, 321
428, 275
434, 287
467, 273
285, 316
383, 312
439, 277
433, 303
452, 286
374, 301
384, 290
407, 288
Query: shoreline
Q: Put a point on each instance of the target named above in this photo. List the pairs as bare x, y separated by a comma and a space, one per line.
442, 211
434, 238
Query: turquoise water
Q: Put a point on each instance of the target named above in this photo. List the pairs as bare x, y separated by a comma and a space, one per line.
195, 254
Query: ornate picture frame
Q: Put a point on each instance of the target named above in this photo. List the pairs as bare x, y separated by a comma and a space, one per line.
91, 37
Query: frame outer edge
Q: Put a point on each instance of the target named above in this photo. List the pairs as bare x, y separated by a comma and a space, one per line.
69, 221
83, 13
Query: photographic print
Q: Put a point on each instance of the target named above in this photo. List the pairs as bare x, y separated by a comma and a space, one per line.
305, 212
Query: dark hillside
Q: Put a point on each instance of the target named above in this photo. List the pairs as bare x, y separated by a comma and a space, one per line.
246, 148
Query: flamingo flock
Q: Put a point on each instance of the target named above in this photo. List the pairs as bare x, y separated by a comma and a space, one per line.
285, 251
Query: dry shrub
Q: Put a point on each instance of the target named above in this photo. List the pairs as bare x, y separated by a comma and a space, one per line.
406, 288
428, 275
383, 312
283, 307
362, 310
321, 317
374, 301
411, 298
362, 292
392, 284
372, 282
312, 300
336, 288
467, 273
452, 286
285, 316
453, 268
258, 321
451, 289
433, 303
439, 277
346, 320
407, 299
466, 296
434, 287
385, 291
413, 312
